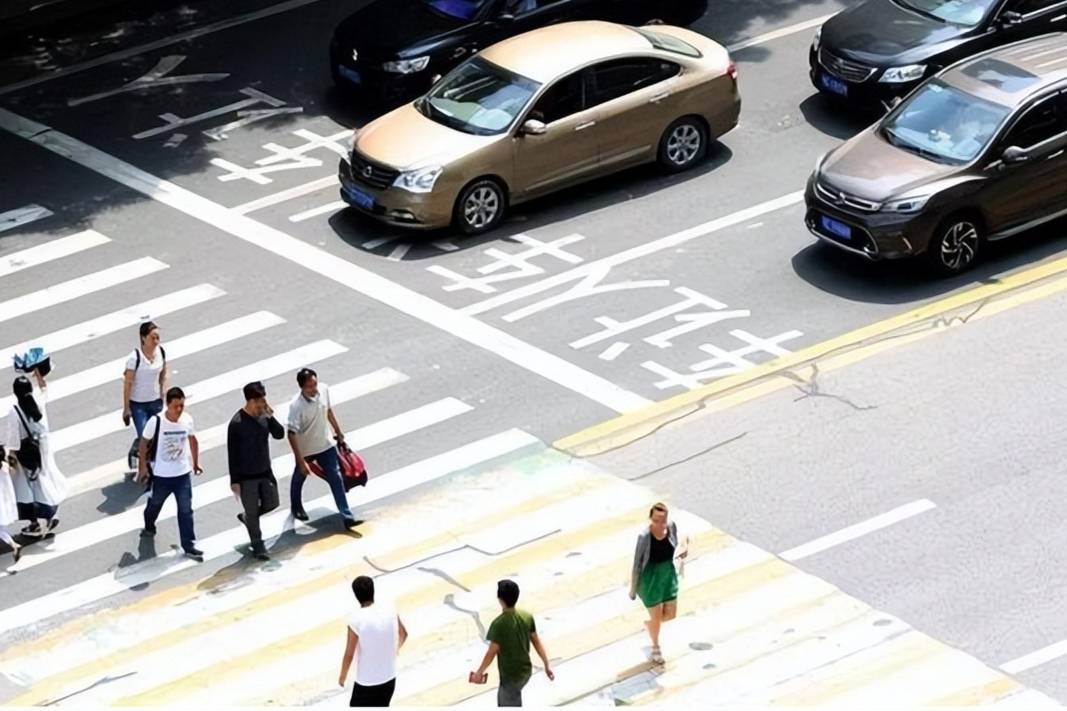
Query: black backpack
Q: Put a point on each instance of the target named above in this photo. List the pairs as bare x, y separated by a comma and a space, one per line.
29, 453
150, 453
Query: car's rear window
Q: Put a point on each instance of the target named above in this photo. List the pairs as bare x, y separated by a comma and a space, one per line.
997, 73
668, 43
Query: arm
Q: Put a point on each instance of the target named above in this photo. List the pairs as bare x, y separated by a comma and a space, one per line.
127, 385
40, 379
490, 655
298, 455
142, 457
635, 573
163, 375
403, 632
275, 427
350, 653
233, 446
194, 449
337, 431
535, 640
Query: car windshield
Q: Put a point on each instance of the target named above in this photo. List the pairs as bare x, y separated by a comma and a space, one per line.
958, 12
478, 97
456, 9
944, 124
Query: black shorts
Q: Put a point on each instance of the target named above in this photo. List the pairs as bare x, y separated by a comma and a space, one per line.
379, 695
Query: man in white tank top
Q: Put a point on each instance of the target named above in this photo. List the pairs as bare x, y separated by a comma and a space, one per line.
376, 633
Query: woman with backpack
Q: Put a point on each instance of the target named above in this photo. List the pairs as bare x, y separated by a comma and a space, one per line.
39, 485
143, 385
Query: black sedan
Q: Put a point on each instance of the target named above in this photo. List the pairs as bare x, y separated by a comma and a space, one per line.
875, 53
393, 48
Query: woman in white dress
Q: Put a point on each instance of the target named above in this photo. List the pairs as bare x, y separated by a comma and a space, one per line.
9, 512
39, 492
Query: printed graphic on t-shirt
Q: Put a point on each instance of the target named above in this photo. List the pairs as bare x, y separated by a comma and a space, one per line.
172, 446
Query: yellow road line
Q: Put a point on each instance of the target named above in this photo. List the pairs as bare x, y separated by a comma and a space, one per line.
981, 695
437, 589
773, 375
47, 688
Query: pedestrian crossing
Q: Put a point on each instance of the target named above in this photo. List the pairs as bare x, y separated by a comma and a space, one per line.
753, 630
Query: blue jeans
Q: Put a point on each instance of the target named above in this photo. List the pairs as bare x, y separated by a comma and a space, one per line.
141, 412
182, 488
331, 467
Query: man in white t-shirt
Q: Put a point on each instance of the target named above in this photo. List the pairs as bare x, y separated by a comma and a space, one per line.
376, 634
169, 448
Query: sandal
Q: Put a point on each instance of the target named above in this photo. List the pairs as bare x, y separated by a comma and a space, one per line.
657, 656
16, 553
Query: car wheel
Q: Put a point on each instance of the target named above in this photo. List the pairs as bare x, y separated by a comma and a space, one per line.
480, 207
954, 248
684, 143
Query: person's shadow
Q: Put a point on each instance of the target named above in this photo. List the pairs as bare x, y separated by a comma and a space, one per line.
120, 496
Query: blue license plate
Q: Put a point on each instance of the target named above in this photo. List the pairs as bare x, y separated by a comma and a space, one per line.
350, 74
364, 200
835, 228
833, 84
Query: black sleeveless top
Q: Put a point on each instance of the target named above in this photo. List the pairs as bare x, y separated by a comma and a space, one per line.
662, 551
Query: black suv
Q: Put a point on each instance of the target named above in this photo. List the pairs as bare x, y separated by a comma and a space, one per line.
393, 48
875, 53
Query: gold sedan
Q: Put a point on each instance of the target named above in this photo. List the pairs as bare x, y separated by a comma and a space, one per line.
540, 112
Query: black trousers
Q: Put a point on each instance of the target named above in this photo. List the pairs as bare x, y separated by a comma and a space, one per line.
379, 695
258, 496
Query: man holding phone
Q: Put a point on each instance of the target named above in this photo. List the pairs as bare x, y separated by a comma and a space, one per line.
248, 449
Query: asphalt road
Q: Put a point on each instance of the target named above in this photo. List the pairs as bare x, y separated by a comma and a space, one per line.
251, 190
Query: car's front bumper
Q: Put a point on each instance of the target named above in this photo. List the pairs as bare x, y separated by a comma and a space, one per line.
869, 94
367, 76
421, 211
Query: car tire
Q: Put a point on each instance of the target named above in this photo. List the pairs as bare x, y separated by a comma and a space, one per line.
480, 207
683, 145
956, 245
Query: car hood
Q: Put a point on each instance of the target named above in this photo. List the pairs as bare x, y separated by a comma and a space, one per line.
882, 33
385, 28
406, 139
868, 167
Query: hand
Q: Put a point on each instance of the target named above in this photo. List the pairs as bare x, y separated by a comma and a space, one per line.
304, 468
341, 682
633, 596
270, 413
683, 554
549, 673
340, 437
236, 489
197, 470
126, 417
142, 476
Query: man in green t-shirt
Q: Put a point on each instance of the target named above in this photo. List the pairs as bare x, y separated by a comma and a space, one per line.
510, 636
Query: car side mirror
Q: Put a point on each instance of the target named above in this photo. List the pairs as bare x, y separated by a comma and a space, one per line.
1013, 155
435, 78
1010, 18
506, 19
533, 127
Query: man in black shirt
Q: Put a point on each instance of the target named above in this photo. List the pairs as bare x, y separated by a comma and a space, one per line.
251, 477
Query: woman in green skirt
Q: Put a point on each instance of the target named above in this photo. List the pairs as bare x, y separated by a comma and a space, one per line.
654, 576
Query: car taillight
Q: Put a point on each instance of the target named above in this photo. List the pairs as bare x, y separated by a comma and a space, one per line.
732, 71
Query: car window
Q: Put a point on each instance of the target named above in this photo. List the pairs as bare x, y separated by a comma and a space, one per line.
564, 98
1037, 125
478, 97
1025, 7
958, 12
521, 7
457, 9
622, 76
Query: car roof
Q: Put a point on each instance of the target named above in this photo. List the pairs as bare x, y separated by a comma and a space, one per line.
1012, 73
546, 53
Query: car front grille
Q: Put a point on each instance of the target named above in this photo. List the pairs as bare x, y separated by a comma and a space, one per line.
844, 68
372, 174
861, 243
829, 194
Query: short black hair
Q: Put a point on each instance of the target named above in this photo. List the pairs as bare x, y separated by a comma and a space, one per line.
507, 591
146, 328
305, 374
255, 391
363, 588
175, 393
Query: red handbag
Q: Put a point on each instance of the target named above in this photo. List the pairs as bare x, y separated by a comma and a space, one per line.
353, 470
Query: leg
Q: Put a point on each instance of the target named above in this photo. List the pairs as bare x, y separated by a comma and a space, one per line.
331, 466
655, 620
183, 492
296, 488
46, 513
161, 489
250, 501
359, 696
509, 693
387, 690
670, 610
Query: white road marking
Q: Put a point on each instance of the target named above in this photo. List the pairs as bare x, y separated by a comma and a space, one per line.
641, 250
379, 242
779, 33
154, 77
614, 350
215, 436
213, 387
316, 211
1035, 659
151, 46
372, 285
858, 530
218, 489
283, 195
76, 288
114, 321
446, 245
22, 216
178, 348
221, 546
399, 252
44, 253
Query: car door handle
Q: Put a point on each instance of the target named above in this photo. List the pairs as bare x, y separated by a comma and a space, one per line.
583, 126
1058, 18
659, 97
1057, 154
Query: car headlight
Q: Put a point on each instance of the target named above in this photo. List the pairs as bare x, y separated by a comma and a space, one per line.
912, 204
899, 75
407, 66
420, 180
817, 40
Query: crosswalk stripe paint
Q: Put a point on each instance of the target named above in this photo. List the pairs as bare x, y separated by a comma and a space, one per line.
57, 658
115, 321
78, 287
218, 489
178, 348
49, 251
221, 546
213, 387
215, 436
23, 216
